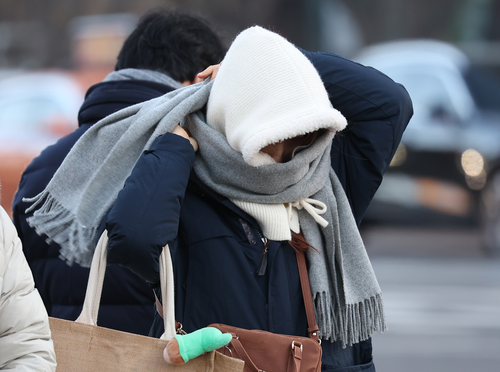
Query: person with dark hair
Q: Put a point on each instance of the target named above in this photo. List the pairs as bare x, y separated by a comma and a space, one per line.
179, 44
164, 52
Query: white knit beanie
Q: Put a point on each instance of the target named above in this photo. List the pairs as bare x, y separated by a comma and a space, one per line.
267, 91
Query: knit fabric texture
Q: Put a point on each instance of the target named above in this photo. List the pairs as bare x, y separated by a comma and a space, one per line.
347, 297
275, 220
142, 74
250, 111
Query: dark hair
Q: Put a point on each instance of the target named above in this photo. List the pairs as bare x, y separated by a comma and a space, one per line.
179, 44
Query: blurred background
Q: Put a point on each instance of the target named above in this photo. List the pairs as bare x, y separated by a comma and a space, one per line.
433, 229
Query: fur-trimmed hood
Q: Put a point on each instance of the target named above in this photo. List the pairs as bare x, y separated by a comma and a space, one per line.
243, 104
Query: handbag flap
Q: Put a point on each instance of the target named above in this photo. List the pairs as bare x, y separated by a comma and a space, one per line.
268, 351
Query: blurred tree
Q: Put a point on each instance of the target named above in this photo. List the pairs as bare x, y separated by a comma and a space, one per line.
494, 32
304, 22
229, 16
338, 28
383, 20
475, 20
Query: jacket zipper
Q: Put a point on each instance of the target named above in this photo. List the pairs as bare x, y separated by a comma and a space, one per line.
263, 262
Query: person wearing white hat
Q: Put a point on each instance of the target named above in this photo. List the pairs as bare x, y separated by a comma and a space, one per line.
263, 171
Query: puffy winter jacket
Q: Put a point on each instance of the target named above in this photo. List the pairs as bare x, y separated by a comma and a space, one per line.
220, 271
25, 341
127, 301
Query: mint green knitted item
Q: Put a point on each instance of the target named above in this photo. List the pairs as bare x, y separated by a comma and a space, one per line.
201, 341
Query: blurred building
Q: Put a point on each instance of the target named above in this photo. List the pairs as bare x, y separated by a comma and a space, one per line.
23, 44
96, 40
48, 33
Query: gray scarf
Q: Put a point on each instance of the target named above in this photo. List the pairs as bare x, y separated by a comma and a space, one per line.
141, 74
347, 298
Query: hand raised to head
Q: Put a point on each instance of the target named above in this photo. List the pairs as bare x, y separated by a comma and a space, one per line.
209, 71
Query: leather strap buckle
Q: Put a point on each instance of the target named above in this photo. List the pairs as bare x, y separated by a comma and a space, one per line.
293, 346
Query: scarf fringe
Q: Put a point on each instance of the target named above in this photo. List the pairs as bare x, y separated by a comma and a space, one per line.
54, 220
352, 323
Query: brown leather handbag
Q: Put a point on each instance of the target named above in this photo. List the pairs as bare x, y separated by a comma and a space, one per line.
264, 351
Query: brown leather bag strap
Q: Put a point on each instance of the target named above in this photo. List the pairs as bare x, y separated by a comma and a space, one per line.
306, 293
238, 347
159, 309
295, 360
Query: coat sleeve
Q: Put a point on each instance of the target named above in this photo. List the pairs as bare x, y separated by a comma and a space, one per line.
377, 111
25, 339
145, 216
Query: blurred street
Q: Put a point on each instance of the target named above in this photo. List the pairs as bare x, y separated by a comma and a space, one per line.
442, 297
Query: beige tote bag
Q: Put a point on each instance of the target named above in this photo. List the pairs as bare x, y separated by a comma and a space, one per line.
83, 346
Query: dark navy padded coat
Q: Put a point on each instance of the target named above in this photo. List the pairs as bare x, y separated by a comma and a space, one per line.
126, 299
220, 276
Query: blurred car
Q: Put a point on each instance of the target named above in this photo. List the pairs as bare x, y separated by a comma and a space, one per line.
36, 109
447, 169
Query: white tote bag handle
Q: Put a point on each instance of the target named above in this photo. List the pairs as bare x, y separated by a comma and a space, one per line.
93, 294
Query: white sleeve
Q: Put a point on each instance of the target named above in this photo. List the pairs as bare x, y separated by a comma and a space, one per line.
25, 338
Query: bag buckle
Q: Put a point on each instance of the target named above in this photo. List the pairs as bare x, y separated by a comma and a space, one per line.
315, 334
293, 346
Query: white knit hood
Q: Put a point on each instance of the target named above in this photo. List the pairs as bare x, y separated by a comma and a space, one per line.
267, 91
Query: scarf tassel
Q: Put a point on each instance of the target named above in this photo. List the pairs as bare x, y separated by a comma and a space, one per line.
53, 220
351, 324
